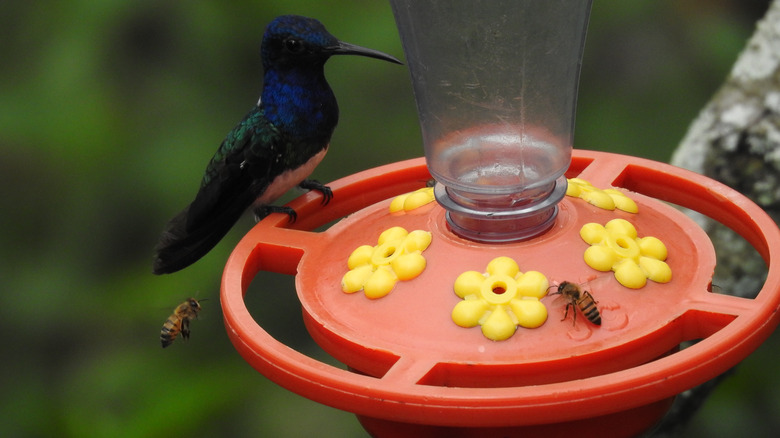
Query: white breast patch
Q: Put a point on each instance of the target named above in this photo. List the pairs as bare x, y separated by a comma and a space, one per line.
289, 179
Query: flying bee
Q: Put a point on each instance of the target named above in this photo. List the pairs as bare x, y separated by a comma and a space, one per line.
577, 298
179, 321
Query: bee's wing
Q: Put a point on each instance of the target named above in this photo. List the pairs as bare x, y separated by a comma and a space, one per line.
185, 328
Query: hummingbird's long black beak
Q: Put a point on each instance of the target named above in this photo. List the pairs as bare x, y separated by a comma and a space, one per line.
352, 49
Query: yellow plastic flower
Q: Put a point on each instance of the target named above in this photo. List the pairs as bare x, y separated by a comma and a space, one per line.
376, 269
608, 199
616, 247
500, 299
410, 201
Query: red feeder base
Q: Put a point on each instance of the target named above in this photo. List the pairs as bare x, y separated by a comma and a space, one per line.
416, 373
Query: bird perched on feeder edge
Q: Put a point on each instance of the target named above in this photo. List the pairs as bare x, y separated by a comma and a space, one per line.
274, 148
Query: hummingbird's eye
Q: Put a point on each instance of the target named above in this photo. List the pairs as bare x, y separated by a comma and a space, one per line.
294, 45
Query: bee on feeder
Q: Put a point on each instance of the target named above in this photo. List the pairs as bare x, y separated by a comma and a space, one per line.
578, 298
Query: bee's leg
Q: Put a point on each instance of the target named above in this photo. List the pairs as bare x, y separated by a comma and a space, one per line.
185, 328
574, 313
566, 312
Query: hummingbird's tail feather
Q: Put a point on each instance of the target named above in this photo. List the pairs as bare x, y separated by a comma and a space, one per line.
185, 240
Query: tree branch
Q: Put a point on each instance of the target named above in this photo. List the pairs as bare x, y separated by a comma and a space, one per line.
736, 140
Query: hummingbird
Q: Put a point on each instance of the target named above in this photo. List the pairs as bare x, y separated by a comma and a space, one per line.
274, 148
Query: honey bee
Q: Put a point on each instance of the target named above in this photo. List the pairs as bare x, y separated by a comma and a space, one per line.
179, 321
577, 298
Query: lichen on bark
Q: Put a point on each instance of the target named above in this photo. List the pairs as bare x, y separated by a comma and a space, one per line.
736, 140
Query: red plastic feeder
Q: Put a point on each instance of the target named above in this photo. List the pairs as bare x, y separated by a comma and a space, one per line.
414, 372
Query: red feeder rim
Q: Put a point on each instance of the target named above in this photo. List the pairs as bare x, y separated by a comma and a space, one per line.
408, 382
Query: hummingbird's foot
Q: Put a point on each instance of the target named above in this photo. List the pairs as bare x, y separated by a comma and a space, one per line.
313, 184
264, 210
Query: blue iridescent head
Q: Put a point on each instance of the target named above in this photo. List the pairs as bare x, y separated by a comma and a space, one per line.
293, 41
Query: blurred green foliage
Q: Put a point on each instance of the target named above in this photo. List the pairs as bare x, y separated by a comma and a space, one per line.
110, 111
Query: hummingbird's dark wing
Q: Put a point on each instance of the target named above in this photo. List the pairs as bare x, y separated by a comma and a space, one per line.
236, 175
